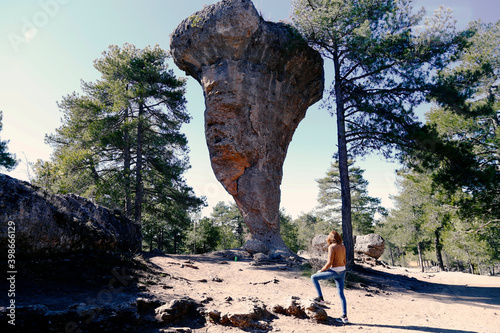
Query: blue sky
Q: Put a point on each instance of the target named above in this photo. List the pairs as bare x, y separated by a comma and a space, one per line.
48, 46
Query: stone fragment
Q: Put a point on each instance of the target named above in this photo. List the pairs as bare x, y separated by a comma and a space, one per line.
316, 313
145, 305
176, 330
258, 79
291, 306
177, 310
294, 306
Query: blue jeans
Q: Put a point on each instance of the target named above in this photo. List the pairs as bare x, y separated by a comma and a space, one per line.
339, 278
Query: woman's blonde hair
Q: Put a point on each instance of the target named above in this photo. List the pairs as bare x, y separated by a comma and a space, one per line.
334, 237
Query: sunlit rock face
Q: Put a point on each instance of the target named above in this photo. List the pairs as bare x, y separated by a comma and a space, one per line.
258, 80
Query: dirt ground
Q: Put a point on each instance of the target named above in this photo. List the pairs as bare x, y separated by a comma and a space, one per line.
385, 299
379, 299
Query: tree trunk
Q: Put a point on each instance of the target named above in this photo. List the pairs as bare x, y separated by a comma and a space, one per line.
438, 247
195, 235
392, 257
126, 168
420, 257
175, 242
471, 267
345, 188
139, 188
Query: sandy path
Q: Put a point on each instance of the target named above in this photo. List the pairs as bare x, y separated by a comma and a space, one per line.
437, 302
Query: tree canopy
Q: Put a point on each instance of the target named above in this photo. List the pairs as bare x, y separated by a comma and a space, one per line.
364, 207
468, 116
120, 142
385, 59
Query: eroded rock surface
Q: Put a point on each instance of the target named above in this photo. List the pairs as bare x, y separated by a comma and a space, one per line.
258, 80
48, 224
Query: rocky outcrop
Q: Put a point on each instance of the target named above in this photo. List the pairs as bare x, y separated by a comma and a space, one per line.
371, 245
258, 80
47, 224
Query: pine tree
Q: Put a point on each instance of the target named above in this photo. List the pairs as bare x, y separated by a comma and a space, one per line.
364, 207
232, 228
468, 116
120, 142
384, 61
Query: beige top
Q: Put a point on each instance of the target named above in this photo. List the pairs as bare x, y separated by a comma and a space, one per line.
336, 257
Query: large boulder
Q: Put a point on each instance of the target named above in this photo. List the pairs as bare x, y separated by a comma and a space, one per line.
319, 247
258, 80
371, 245
47, 224
255, 246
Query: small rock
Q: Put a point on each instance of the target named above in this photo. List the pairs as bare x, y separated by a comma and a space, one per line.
206, 300
176, 330
176, 310
145, 304
292, 307
316, 313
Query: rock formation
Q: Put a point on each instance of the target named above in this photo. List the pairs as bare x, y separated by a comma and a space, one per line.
371, 245
258, 80
319, 247
367, 248
45, 224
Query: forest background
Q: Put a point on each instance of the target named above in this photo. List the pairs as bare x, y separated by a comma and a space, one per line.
49, 46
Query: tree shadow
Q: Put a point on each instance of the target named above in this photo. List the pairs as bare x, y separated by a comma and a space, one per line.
446, 293
413, 328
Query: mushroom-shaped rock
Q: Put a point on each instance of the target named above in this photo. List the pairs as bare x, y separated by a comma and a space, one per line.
258, 80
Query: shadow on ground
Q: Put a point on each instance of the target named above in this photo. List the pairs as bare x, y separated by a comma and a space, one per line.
446, 293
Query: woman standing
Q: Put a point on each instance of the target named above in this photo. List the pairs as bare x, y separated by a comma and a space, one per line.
334, 269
